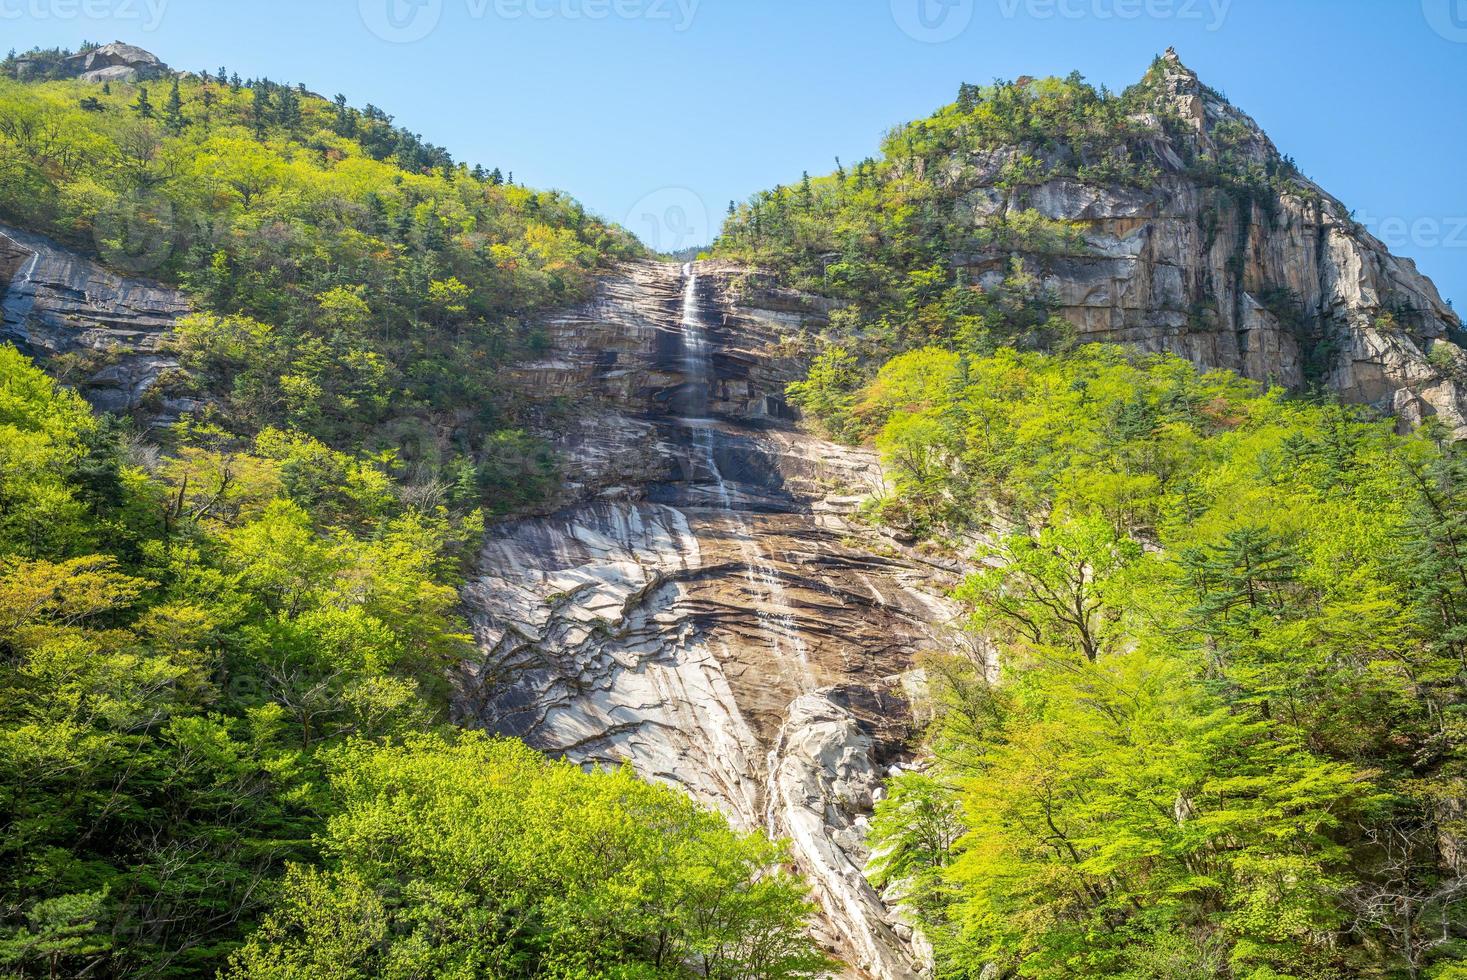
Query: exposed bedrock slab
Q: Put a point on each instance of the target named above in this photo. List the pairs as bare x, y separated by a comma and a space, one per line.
710, 609
60, 305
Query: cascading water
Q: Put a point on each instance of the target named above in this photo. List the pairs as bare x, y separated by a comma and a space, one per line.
714, 629
776, 618
17, 299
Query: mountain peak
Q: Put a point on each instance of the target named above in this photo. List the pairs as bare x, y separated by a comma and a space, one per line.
1175, 75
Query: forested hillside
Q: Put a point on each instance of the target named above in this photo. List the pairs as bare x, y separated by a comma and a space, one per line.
224, 645
353, 282
1222, 730
1224, 734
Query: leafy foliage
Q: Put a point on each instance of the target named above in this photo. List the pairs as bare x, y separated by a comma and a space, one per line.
180, 641
483, 859
354, 282
221, 663
1226, 735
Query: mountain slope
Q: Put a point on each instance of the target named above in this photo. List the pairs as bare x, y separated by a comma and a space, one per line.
228, 606
350, 280
1163, 217
1217, 729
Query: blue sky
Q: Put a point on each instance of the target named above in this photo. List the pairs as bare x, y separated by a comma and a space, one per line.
657, 112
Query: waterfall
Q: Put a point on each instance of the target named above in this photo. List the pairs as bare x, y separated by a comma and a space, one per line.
775, 616
716, 630
16, 300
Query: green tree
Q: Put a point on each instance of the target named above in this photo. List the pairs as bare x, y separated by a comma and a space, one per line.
481, 858
173, 111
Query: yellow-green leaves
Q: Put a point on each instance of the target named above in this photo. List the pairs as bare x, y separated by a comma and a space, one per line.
1229, 633
481, 858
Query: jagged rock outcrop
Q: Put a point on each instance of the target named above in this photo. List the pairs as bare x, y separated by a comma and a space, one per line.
99, 331
117, 62
1290, 291
706, 606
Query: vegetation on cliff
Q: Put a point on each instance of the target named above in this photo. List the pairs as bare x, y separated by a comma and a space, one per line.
355, 284
888, 237
224, 690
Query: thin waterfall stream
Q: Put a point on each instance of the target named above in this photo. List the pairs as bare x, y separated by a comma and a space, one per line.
17, 300
775, 616
707, 610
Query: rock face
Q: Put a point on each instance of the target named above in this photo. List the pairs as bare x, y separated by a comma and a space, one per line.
705, 609
97, 330
1295, 293
117, 62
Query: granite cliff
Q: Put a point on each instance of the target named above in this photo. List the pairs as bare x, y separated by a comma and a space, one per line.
706, 607
100, 331
1163, 218
1291, 290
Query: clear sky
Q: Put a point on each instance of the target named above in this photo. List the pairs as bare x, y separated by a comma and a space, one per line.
656, 113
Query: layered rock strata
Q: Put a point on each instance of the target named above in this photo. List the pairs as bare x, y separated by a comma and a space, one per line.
710, 610
95, 329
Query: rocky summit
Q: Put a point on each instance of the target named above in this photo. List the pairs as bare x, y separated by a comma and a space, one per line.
1293, 292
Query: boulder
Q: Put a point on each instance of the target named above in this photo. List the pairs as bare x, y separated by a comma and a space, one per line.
117, 62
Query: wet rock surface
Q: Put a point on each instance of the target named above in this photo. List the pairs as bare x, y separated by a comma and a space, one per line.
708, 607
99, 331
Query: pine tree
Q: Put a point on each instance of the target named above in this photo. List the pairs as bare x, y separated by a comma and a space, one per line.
142, 106
1245, 576
288, 110
260, 113
173, 110
376, 213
